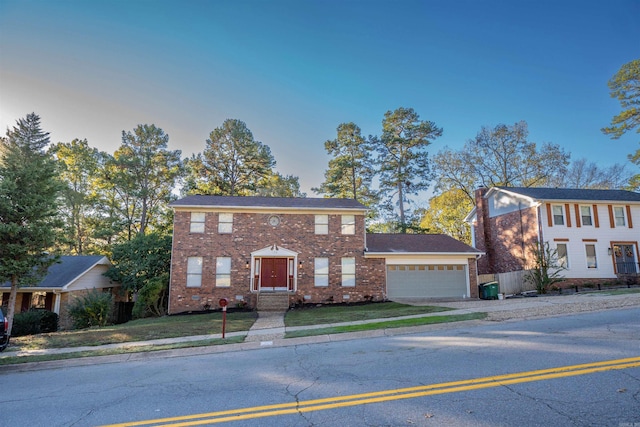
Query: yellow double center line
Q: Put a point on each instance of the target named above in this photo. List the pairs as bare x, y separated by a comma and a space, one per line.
387, 395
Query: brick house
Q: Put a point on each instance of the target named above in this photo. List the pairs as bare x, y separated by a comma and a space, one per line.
307, 250
592, 230
70, 277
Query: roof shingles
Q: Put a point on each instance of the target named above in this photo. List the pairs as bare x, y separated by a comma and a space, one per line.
417, 243
539, 193
268, 202
65, 270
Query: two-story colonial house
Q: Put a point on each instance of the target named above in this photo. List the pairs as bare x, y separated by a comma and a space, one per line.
311, 250
594, 232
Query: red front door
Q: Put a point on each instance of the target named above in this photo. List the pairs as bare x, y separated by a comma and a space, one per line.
273, 273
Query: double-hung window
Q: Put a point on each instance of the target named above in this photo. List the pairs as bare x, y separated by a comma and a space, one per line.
225, 223
197, 222
348, 224
618, 214
558, 215
585, 215
348, 272
322, 224
592, 260
223, 272
561, 253
194, 272
321, 272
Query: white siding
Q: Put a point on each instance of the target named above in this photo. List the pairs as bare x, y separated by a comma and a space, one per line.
577, 237
502, 203
92, 279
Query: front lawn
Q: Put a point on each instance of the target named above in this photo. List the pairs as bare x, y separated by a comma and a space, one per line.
140, 330
327, 314
402, 323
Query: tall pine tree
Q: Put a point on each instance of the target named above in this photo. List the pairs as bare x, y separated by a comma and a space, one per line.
29, 191
351, 169
403, 159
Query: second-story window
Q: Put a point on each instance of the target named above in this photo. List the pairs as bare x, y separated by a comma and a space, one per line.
585, 215
558, 215
618, 214
322, 224
225, 223
348, 224
197, 222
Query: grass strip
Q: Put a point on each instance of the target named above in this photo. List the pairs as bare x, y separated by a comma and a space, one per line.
14, 360
139, 330
619, 291
349, 313
385, 325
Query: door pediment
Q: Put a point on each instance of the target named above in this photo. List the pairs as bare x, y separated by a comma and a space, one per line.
274, 251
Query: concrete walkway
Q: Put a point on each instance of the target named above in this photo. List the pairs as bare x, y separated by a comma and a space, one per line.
269, 326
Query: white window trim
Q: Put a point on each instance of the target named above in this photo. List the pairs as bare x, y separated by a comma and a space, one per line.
225, 223
223, 272
348, 272
595, 255
582, 216
322, 224
623, 217
194, 271
197, 221
561, 214
566, 255
348, 224
321, 272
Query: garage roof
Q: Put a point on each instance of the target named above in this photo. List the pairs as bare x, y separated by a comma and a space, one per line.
417, 243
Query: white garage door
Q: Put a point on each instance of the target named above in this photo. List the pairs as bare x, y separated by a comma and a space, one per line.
427, 281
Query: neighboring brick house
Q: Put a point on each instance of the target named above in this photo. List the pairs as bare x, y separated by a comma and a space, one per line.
69, 278
593, 231
311, 250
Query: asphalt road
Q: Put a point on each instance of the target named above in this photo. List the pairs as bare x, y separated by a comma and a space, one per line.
580, 370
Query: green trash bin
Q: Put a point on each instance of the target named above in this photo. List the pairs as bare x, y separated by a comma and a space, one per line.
490, 290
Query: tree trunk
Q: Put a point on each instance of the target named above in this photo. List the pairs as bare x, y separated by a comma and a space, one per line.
143, 218
401, 206
11, 309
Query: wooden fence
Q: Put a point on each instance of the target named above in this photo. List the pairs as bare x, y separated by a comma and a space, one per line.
509, 283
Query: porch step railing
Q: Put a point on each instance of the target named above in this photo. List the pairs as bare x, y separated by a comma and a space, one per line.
275, 301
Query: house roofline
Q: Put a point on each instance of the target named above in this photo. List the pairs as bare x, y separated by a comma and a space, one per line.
398, 254
540, 201
101, 261
264, 208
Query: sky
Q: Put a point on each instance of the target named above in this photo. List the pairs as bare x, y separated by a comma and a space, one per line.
294, 70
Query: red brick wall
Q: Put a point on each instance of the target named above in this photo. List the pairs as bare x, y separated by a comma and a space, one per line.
251, 232
507, 239
473, 278
482, 241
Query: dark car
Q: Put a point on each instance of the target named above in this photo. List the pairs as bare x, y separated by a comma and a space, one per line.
4, 336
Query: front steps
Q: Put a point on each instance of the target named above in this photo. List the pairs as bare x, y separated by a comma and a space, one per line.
276, 301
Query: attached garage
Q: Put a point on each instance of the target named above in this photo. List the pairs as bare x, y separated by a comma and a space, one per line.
427, 281
425, 265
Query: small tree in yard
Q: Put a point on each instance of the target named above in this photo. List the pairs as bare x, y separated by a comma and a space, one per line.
29, 195
141, 265
92, 309
547, 267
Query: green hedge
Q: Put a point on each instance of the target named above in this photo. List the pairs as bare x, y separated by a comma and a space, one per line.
93, 309
34, 321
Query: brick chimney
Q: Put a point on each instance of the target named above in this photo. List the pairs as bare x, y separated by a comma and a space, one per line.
482, 232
